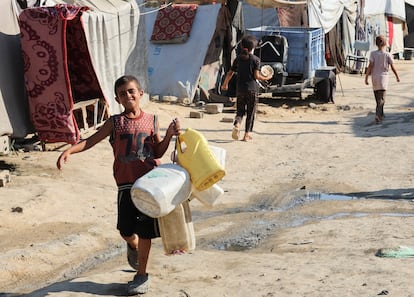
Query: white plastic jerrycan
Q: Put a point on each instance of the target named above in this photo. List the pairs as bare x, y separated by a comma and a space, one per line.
161, 190
209, 196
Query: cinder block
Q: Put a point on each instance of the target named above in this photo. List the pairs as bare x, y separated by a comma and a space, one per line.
227, 120
171, 99
214, 108
196, 114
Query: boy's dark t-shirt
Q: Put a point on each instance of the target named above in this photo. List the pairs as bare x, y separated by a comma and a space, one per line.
245, 67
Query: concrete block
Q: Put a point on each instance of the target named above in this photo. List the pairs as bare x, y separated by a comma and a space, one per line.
227, 120
171, 99
196, 114
214, 108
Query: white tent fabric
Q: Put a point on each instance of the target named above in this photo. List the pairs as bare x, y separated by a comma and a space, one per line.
328, 13
14, 108
174, 69
376, 13
111, 29
394, 8
411, 2
397, 45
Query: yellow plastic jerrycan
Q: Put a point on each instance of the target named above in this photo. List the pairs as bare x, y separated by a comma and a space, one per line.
194, 154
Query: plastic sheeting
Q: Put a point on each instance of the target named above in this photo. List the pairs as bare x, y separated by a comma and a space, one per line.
332, 12
394, 8
14, 107
326, 15
255, 17
388, 18
174, 69
116, 41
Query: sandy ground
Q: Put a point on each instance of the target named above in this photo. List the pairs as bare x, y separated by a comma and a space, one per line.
307, 205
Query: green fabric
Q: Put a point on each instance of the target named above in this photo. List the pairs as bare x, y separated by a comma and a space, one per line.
399, 252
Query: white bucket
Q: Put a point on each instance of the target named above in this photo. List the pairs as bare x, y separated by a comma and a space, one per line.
209, 196
161, 190
177, 230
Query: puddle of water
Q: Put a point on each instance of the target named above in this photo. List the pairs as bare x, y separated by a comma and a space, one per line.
250, 240
302, 197
258, 229
398, 214
323, 196
312, 196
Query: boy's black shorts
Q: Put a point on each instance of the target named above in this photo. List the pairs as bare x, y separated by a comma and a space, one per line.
131, 220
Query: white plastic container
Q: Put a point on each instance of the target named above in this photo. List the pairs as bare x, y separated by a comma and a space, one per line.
220, 154
161, 190
177, 230
209, 196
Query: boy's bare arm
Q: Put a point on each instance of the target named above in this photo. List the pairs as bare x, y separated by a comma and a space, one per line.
83, 145
162, 145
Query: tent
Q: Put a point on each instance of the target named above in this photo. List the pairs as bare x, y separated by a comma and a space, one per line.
337, 18
386, 17
14, 110
180, 69
174, 68
255, 17
114, 37
409, 14
114, 41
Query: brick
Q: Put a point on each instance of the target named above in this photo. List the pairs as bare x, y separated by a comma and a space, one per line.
214, 108
196, 114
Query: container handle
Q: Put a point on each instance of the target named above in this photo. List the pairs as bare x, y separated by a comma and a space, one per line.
178, 147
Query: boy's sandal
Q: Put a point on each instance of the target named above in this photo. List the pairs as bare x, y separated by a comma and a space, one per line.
235, 133
139, 285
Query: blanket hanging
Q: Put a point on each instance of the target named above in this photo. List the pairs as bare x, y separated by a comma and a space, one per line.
173, 23
57, 69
